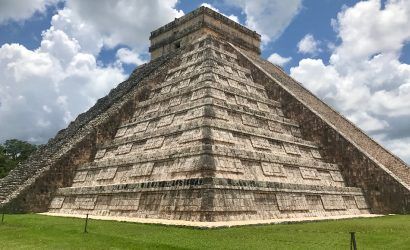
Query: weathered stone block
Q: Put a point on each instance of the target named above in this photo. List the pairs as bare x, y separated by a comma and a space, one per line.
333, 202
272, 169
291, 202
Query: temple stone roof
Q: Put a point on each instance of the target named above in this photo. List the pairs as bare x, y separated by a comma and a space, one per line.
184, 30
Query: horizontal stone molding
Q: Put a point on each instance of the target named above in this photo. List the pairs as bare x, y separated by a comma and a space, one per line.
209, 183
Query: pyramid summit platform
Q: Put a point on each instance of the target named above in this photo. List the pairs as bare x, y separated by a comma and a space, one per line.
208, 131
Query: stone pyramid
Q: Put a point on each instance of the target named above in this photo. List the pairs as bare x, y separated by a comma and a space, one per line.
208, 131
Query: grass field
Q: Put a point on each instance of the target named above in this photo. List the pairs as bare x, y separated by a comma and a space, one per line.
32, 231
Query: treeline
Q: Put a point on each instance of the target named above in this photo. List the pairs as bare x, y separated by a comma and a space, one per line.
12, 153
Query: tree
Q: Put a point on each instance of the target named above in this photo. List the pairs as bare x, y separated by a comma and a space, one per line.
18, 150
6, 164
12, 153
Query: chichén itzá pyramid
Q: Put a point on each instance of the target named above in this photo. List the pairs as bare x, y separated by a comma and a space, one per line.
209, 131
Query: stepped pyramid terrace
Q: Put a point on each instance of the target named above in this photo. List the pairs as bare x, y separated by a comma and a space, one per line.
208, 131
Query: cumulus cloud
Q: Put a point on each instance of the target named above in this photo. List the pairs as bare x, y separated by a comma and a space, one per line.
399, 146
278, 59
127, 56
22, 9
268, 17
308, 45
364, 78
126, 22
232, 17
43, 89
90, 40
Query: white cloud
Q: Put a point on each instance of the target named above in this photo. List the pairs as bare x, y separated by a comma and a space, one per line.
89, 39
268, 17
364, 78
22, 9
366, 29
232, 17
56, 43
308, 45
122, 22
367, 122
278, 59
317, 77
400, 147
50, 91
127, 56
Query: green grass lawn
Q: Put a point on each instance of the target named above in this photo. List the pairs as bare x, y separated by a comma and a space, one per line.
32, 231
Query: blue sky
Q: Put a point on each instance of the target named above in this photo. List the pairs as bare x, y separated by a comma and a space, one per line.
58, 57
314, 18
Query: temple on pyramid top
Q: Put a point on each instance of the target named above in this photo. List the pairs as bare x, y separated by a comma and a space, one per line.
208, 133
185, 30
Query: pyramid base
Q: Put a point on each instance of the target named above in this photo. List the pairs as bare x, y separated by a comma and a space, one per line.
210, 200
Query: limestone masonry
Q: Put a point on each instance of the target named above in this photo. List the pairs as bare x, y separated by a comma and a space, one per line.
209, 131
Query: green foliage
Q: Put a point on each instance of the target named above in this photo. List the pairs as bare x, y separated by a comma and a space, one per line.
18, 150
45, 232
12, 153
